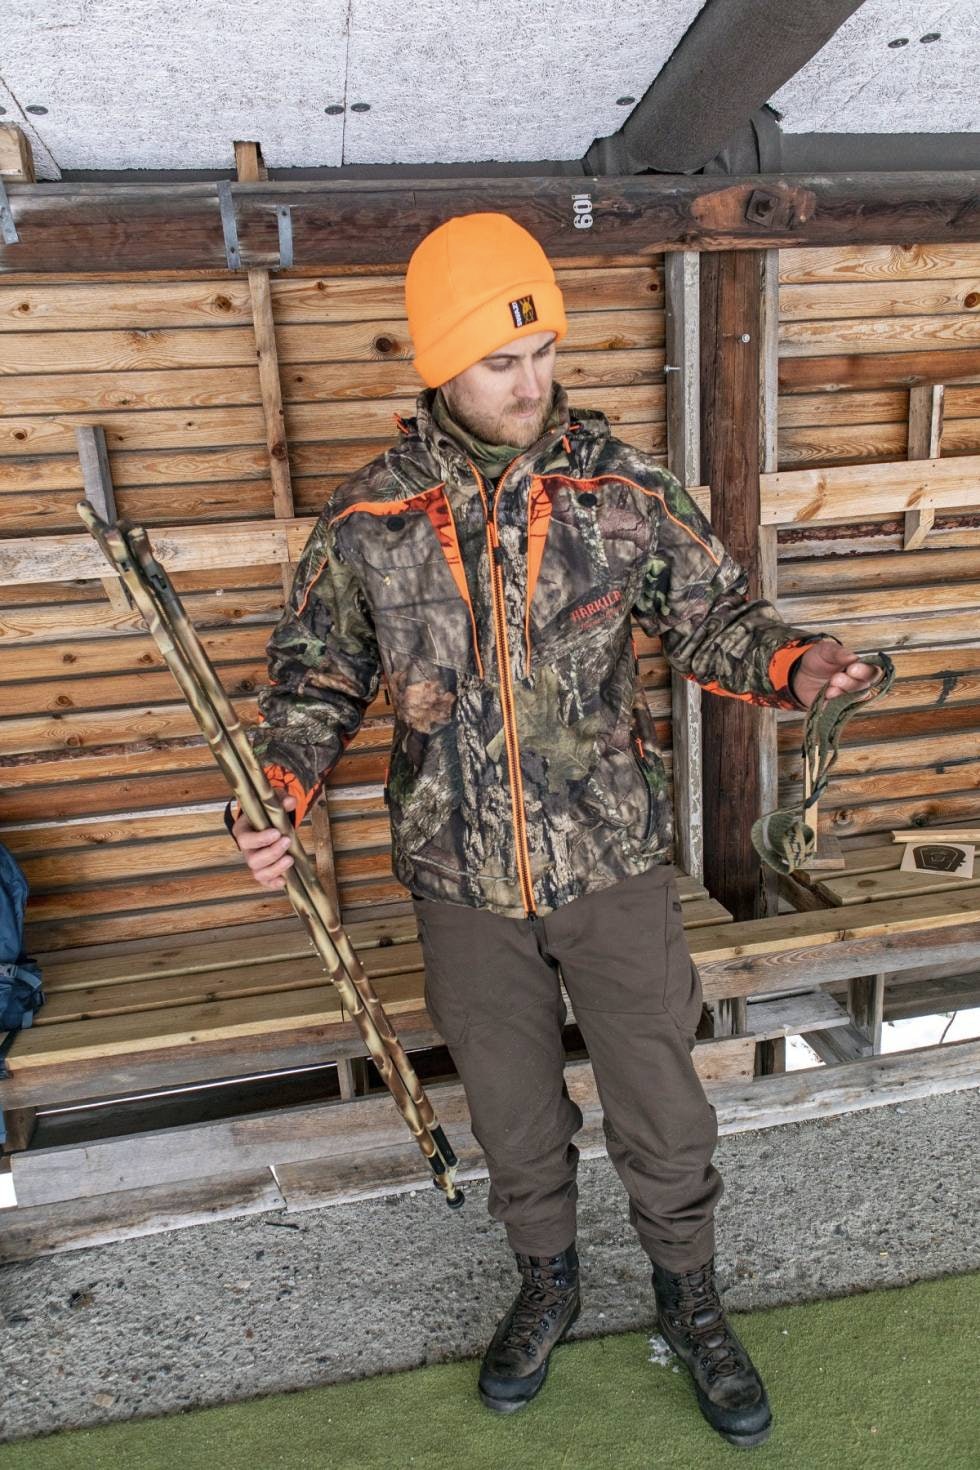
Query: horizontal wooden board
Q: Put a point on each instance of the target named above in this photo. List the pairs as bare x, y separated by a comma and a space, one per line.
155, 303
853, 369
369, 419
136, 653
896, 754
868, 443
928, 630
875, 569
26, 513
868, 263
840, 300
900, 602
878, 334
353, 341
850, 492
303, 382
100, 620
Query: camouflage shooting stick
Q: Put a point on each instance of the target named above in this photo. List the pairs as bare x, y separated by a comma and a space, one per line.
152, 593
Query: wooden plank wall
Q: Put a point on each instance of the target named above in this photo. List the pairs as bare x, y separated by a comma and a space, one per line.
107, 794
847, 317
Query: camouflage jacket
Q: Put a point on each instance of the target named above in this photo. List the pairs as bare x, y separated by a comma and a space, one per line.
523, 771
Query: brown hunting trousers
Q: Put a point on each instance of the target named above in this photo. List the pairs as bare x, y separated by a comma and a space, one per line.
493, 990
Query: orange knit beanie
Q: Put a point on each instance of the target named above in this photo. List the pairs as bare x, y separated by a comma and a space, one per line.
473, 285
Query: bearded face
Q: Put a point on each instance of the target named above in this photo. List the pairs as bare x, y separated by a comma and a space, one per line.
506, 397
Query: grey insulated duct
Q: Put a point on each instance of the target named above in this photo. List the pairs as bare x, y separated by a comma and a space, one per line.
735, 56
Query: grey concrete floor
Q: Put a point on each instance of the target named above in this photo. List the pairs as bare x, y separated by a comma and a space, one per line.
233, 1309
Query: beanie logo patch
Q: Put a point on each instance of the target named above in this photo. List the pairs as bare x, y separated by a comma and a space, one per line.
523, 311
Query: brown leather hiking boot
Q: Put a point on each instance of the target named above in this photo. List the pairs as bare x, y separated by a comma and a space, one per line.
730, 1392
516, 1362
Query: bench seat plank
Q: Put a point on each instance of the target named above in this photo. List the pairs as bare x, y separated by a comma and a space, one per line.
78, 993
873, 873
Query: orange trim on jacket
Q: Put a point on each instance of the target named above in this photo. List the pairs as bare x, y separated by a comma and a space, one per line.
538, 521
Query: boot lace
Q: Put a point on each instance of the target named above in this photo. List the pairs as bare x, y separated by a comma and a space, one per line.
543, 1293
698, 1306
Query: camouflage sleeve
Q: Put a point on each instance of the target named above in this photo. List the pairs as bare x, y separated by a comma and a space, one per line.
694, 595
324, 670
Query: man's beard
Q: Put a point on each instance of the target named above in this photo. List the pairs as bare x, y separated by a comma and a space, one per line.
502, 428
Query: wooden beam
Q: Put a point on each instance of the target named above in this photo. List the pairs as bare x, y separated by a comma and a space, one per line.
353, 222
179, 548
684, 460
731, 315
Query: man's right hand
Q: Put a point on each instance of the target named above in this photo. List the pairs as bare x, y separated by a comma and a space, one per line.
266, 851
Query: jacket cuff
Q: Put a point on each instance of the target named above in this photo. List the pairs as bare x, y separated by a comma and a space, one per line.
783, 667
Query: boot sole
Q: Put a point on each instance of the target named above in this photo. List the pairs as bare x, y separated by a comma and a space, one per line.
511, 1406
746, 1441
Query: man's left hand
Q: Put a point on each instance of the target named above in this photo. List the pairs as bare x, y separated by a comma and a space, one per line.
840, 669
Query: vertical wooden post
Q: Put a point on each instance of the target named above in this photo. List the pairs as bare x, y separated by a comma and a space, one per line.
925, 441
731, 323
770, 1055
93, 456
767, 723
684, 461
248, 160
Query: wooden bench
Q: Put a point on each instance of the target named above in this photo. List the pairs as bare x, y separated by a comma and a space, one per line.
236, 1001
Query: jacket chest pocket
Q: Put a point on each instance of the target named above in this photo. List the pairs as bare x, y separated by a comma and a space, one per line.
588, 574
416, 602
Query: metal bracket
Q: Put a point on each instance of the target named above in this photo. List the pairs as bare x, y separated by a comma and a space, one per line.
285, 222
8, 229
229, 225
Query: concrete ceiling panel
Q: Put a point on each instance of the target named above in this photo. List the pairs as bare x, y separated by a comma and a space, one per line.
131, 84
506, 81
894, 67
169, 84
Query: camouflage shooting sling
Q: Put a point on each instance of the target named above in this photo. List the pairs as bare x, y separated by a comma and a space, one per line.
152, 594
784, 839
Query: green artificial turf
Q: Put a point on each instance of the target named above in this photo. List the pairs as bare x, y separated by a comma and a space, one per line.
882, 1381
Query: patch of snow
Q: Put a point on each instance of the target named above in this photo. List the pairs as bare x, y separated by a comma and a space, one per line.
660, 1351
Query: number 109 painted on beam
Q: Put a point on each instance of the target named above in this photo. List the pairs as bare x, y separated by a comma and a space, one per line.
582, 207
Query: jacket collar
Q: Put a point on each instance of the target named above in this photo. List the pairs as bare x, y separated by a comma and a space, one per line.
427, 452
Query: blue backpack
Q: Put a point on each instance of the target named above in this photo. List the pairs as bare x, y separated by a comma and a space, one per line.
21, 995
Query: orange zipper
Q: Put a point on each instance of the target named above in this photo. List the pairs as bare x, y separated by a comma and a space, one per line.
507, 689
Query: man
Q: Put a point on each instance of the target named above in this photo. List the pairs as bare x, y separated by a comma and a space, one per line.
489, 565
